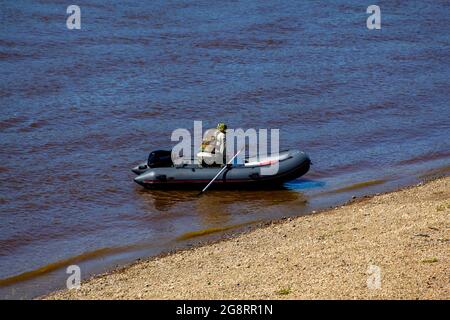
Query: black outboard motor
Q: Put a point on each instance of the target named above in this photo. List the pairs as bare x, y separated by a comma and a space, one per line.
159, 158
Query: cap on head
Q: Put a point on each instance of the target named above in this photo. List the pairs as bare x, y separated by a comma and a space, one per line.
222, 127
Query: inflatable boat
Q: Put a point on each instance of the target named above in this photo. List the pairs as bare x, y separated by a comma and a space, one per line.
158, 172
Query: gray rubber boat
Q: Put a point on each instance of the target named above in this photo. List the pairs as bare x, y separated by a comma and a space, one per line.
159, 173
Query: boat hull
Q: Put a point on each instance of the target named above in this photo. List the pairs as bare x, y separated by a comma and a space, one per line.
292, 164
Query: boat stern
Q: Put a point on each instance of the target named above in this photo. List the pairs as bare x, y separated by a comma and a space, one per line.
140, 168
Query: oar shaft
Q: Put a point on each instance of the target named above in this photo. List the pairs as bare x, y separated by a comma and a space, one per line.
221, 170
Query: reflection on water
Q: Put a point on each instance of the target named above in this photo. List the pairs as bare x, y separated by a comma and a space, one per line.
220, 207
303, 184
163, 200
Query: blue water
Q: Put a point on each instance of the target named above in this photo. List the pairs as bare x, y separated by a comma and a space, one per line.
79, 108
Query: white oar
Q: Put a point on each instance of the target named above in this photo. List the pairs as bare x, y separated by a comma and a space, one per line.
221, 170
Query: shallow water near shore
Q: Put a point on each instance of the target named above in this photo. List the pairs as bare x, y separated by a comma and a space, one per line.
79, 108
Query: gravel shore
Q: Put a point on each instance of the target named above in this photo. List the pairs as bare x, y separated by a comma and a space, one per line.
390, 246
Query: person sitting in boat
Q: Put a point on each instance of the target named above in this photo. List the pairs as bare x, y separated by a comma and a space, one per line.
213, 148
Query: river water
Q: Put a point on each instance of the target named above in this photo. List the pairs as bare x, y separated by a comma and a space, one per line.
79, 108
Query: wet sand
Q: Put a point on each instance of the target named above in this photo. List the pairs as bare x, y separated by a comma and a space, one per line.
390, 246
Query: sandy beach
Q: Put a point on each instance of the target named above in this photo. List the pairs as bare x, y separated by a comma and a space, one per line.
390, 246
